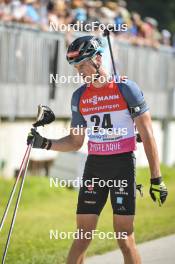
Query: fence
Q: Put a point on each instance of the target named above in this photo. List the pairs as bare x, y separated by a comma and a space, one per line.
28, 57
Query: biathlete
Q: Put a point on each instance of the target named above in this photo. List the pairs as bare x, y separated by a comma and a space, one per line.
109, 111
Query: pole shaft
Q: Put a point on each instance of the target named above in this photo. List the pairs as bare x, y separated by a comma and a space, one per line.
16, 206
111, 53
14, 189
107, 34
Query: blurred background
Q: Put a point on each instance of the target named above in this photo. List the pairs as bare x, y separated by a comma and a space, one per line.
32, 59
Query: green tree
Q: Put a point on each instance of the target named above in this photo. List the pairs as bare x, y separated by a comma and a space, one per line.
162, 10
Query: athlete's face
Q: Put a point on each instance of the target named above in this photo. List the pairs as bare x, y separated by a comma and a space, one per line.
86, 68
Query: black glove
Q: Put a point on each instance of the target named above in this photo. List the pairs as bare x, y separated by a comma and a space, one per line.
39, 141
158, 190
138, 138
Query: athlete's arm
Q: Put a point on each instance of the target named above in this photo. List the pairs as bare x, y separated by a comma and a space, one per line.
144, 126
158, 190
75, 139
140, 113
71, 142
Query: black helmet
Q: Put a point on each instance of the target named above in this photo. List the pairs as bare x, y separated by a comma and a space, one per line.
83, 48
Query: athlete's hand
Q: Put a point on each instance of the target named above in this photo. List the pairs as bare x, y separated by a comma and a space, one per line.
39, 141
158, 190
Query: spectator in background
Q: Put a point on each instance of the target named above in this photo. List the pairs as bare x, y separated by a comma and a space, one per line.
79, 11
92, 8
41, 13
106, 15
165, 37
122, 6
119, 20
27, 11
52, 13
1, 8
144, 33
6, 10
20, 12
117, 17
32, 11
136, 30
136, 26
57, 12
44, 14
151, 32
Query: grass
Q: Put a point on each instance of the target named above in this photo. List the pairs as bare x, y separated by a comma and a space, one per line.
42, 209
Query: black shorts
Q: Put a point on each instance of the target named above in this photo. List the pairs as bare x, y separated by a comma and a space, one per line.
104, 174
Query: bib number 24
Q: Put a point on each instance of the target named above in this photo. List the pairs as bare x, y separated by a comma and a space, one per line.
106, 122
